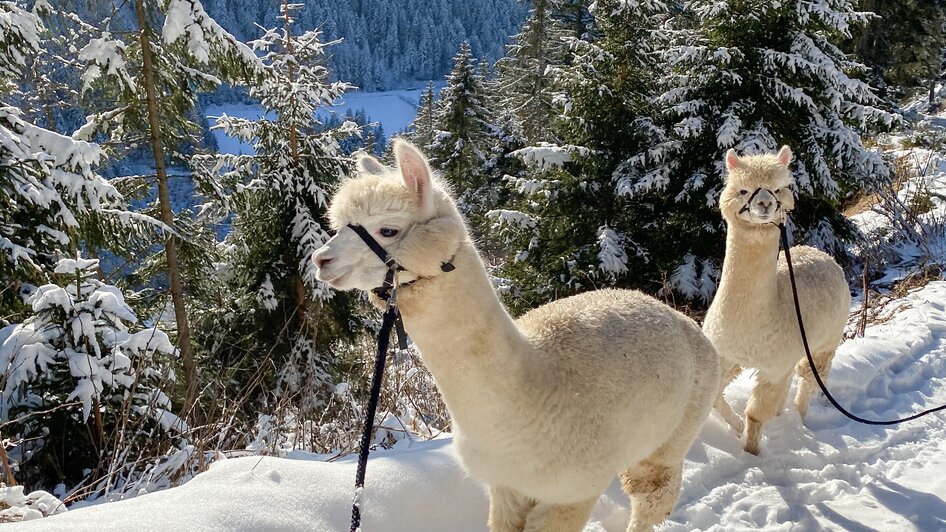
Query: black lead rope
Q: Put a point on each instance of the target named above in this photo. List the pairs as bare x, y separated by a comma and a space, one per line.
391, 315
811, 362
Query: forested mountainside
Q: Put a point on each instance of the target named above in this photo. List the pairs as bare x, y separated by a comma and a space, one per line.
387, 43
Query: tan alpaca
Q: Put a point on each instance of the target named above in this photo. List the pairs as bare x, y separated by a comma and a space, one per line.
546, 409
752, 319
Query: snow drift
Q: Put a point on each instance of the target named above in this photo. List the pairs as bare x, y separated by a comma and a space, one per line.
832, 474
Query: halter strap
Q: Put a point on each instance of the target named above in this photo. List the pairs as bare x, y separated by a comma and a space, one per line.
373, 244
778, 204
387, 285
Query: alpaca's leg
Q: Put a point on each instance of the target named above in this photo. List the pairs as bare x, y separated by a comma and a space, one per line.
807, 382
559, 517
722, 406
654, 489
507, 509
766, 401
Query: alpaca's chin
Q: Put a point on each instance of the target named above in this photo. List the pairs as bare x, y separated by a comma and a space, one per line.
755, 221
339, 282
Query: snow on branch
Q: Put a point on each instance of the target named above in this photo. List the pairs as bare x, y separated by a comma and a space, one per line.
186, 19
545, 156
517, 219
612, 259
105, 55
19, 33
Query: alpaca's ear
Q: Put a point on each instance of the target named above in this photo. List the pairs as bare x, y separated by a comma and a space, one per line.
416, 175
785, 156
368, 164
732, 160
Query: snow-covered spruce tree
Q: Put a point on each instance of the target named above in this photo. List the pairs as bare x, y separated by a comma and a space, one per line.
278, 324
151, 82
569, 227
48, 184
463, 138
421, 129
751, 76
525, 81
462, 126
903, 45
83, 391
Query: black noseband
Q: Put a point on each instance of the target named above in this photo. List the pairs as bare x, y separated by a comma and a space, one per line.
778, 204
383, 291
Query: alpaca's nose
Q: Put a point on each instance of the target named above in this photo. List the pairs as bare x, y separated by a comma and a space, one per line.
322, 261
765, 204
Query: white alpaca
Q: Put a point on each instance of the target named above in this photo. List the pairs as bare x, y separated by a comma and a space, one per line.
546, 409
752, 319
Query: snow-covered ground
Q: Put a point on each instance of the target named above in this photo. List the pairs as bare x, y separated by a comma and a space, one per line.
829, 474
394, 110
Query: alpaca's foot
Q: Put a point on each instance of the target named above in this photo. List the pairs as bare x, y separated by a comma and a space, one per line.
753, 436
728, 414
766, 401
801, 402
723, 407
654, 489
807, 383
507, 509
559, 517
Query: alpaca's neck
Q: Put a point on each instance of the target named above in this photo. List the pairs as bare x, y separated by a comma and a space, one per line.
750, 266
465, 336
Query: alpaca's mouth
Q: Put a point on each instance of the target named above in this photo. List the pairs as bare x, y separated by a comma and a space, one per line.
334, 281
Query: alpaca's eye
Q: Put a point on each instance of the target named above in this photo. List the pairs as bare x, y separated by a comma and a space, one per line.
387, 232
743, 192
778, 190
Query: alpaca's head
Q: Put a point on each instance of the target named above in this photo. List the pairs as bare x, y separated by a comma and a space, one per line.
405, 209
758, 188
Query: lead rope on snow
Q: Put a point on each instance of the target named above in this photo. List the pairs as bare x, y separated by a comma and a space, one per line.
391, 315
814, 370
392, 318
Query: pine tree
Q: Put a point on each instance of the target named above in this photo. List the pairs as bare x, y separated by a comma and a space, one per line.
525, 82
460, 146
98, 383
49, 188
902, 45
278, 314
155, 81
421, 129
752, 76
569, 227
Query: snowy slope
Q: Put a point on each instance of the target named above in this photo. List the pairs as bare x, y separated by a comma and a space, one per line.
832, 474
394, 110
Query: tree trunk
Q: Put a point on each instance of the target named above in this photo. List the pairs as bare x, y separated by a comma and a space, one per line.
170, 247
293, 134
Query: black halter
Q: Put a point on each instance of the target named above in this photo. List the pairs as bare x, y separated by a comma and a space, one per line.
746, 207
387, 285
383, 291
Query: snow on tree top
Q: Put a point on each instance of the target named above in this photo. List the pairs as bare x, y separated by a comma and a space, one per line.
71, 265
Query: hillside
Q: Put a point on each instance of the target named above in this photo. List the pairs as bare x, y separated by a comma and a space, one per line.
387, 43
830, 474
